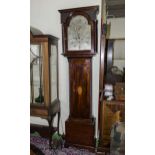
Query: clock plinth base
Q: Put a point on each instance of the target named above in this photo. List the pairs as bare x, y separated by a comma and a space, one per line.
80, 132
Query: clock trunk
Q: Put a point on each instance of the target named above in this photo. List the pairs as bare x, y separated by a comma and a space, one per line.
80, 87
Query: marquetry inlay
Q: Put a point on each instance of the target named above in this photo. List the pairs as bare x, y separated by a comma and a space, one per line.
79, 90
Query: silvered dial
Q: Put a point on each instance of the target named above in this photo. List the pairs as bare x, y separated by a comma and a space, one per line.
79, 34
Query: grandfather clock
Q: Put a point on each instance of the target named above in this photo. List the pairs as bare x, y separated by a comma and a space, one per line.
79, 39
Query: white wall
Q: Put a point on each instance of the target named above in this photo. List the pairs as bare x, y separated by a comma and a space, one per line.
44, 15
117, 28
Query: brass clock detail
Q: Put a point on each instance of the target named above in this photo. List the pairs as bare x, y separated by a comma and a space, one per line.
79, 30
79, 40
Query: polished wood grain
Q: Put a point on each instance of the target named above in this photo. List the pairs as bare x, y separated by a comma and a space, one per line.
90, 13
107, 112
80, 126
46, 74
80, 132
102, 62
43, 38
80, 88
35, 151
40, 111
32, 152
42, 130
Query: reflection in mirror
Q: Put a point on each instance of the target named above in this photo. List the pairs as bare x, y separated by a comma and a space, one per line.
54, 74
115, 63
36, 74
119, 54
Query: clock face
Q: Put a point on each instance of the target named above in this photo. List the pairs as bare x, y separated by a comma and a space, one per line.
79, 34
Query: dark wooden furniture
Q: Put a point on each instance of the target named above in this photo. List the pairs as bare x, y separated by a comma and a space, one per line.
110, 111
79, 34
44, 101
35, 151
112, 73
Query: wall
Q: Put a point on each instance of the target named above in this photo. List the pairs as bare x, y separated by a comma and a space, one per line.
117, 28
44, 15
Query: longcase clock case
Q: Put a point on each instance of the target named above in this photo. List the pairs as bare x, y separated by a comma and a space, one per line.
79, 39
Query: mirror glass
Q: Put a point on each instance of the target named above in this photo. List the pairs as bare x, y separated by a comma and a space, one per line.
115, 63
53, 72
36, 74
119, 54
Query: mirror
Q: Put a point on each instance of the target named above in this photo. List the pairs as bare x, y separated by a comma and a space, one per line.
54, 73
119, 54
115, 63
36, 74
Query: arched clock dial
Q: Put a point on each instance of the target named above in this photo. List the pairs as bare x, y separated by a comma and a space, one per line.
79, 34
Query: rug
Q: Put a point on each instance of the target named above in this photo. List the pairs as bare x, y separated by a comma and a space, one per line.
43, 145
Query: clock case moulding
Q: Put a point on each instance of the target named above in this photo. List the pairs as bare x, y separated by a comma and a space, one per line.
80, 125
90, 13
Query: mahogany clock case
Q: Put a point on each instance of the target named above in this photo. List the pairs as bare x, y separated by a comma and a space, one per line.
80, 126
89, 13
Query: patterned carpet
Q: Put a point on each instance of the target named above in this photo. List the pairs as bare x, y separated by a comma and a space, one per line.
43, 145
